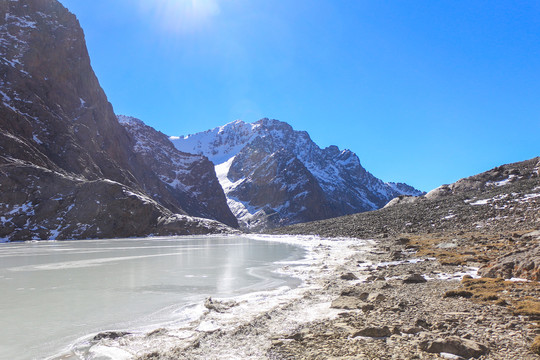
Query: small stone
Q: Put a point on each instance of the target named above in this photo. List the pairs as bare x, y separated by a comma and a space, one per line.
373, 331
355, 292
414, 279
351, 303
348, 276
422, 323
376, 297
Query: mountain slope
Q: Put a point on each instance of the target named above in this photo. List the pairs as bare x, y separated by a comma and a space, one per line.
499, 200
191, 178
273, 175
66, 164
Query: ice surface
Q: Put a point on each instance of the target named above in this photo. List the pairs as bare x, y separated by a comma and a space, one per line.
322, 257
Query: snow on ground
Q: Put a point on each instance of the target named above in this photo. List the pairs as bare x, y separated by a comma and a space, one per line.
508, 197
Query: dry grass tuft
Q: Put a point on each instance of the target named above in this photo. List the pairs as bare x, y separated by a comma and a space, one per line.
528, 307
458, 293
535, 347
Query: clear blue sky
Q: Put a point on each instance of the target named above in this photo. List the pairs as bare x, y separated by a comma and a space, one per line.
425, 92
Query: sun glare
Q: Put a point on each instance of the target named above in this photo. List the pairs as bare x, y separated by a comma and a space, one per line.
181, 15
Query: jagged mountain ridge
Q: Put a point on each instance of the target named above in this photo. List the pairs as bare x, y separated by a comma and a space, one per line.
273, 175
67, 169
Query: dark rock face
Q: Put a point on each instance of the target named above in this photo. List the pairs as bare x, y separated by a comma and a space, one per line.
66, 166
274, 175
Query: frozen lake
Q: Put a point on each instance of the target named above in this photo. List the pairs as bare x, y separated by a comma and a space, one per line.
54, 293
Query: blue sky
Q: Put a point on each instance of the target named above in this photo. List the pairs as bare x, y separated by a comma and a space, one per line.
425, 92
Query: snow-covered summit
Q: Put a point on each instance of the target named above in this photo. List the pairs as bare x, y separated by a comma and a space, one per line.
274, 175
218, 144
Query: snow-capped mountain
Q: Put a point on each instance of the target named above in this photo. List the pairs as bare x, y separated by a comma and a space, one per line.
273, 175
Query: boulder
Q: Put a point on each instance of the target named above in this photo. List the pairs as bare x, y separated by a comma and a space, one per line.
374, 331
414, 279
456, 346
348, 276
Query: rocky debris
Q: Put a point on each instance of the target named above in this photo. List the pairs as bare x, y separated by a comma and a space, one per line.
504, 205
402, 321
67, 167
283, 177
456, 346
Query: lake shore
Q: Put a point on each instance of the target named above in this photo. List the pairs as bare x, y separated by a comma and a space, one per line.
376, 299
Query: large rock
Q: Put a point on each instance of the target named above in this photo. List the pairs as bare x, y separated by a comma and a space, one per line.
374, 331
351, 303
455, 345
524, 263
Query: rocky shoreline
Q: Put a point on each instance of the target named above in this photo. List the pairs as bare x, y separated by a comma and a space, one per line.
380, 302
406, 309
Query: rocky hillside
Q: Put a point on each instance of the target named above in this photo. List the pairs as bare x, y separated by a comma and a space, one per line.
273, 175
490, 218
66, 165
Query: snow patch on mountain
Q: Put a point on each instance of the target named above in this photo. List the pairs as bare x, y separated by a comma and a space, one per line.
241, 209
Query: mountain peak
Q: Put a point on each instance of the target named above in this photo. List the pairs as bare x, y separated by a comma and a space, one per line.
274, 175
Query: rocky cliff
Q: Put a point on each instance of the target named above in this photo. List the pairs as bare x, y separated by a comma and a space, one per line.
66, 166
273, 175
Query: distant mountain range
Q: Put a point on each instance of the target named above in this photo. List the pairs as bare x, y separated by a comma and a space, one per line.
273, 175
